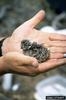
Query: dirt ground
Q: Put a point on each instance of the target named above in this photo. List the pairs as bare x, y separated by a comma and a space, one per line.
22, 10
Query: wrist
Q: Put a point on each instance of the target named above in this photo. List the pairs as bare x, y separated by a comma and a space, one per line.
2, 66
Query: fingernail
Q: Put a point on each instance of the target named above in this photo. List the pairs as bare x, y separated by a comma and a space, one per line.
35, 63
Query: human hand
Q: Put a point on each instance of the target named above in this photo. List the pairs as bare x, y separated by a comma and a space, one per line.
55, 42
14, 62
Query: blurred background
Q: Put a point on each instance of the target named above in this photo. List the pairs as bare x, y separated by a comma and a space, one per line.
12, 14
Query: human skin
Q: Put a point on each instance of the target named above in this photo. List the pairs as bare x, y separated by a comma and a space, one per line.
14, 62
55, 42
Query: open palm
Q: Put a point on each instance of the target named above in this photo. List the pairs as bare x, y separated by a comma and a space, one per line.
27, 31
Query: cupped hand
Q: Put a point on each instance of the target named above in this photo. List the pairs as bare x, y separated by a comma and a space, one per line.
14, 62
55, 42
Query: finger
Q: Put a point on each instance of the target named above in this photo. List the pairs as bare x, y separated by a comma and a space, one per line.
46, 66
51, 64
58, 37
37, 18
26, 60
58, 49
25, 70
20, 59
57, 43
56, 56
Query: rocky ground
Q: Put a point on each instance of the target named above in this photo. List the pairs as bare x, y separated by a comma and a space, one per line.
12, 14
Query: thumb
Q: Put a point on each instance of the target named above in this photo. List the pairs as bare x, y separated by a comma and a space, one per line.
37, 18
27, 60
